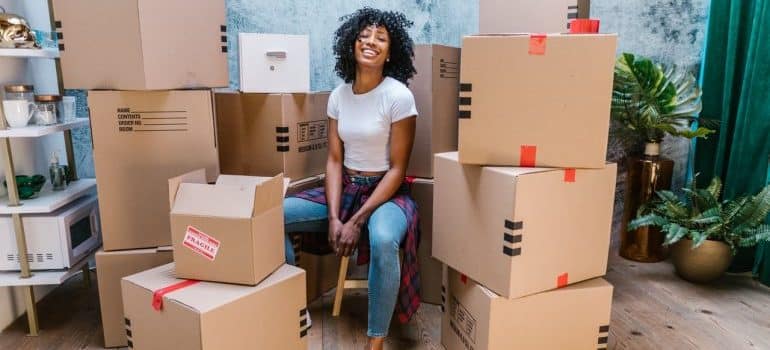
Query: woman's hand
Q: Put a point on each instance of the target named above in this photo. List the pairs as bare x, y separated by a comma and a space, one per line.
335, 231
348, 240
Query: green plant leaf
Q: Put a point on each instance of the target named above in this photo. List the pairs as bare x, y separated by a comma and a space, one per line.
674, 233
647, 220
715, 187
754, 211
651, 100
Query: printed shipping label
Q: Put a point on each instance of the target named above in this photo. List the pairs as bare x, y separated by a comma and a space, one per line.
463, 324
311, 131
201, 243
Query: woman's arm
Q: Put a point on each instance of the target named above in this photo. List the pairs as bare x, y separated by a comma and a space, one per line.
333, 183
401, 141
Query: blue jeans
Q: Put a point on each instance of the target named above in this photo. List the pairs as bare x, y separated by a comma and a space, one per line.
386, 227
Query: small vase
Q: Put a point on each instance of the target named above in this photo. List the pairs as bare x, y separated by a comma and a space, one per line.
703, 264
646, 175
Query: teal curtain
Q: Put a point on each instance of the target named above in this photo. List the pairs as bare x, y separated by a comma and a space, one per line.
736, 91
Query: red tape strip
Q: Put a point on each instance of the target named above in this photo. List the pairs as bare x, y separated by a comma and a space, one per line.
157, 296
562, 280
569, 175
537, 44
464, 279
528, 156
583, 26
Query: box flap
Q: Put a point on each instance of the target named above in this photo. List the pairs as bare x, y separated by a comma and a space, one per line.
195, 176
270, 193
212, 200
204, 296
249, 181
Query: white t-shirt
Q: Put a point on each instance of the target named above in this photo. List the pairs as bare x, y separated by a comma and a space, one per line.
363, 121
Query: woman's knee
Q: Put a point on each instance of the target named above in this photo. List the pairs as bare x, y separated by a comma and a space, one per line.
387, 227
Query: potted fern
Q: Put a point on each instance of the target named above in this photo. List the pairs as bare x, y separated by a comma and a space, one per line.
704, 232
650, 101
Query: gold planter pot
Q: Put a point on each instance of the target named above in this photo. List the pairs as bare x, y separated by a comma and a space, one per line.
646, 175
703, 264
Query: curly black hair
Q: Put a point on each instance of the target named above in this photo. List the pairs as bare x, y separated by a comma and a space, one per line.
400, 66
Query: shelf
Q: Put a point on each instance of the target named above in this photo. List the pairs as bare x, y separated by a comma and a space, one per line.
29, 53
42, 130
42, 278
49, 200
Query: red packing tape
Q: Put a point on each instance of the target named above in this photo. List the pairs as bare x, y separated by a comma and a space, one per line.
569, 175
527, 156
562, 280
157, 296
537, 44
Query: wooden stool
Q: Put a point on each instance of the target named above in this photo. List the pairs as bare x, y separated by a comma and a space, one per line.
344, 283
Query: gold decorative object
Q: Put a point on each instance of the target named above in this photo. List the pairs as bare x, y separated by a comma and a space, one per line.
703, 264
646, 175
15, 32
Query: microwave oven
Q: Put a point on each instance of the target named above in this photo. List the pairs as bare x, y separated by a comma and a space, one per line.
55, 241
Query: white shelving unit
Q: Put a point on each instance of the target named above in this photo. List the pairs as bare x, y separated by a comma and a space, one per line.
47, 201
29, 53
37, 131
42, 278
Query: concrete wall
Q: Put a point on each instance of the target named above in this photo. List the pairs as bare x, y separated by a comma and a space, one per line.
670, 31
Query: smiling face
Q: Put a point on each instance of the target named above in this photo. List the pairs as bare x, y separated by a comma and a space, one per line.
372, 48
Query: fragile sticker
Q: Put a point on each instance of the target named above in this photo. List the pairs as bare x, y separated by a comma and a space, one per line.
201, 243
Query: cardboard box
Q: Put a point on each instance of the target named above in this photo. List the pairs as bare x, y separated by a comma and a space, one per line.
431, 270
111, 267
142, 44
213, 316
140, 140
305, 184
529, 16
547, 108
322, 272
521, 231
229, 232
435, 93
274, 62
266, 134
575, 317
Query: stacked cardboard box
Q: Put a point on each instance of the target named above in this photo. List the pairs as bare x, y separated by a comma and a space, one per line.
522, 212
152, 118
229, 232
435, 91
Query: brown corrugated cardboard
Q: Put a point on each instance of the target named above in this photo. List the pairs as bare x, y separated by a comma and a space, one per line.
322, 272
142, 44
435, 93
110, 268
229, 232
529, 16
520, 231
266, 134
213, 316
575, 317
140, 140
431, 270
530, 109
305, 184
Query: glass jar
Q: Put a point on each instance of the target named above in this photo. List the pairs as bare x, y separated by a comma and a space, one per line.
20, 92
48, 109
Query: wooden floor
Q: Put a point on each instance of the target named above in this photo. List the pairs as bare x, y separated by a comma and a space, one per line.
652, 309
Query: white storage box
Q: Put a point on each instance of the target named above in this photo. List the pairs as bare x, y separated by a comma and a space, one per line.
274, 62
